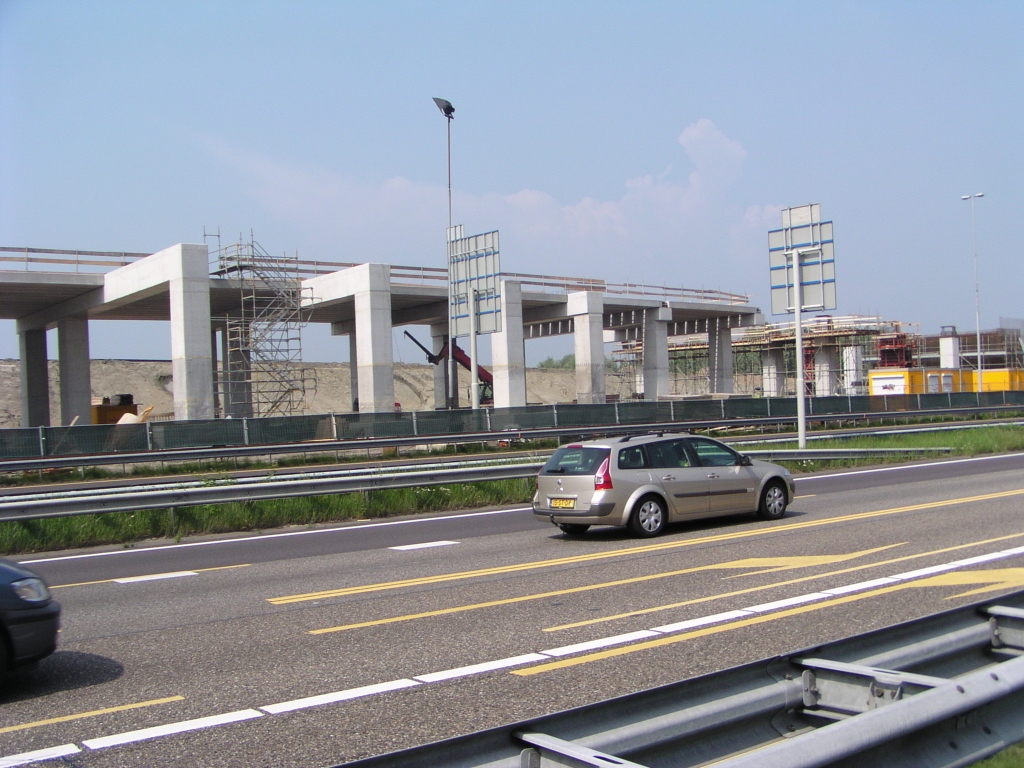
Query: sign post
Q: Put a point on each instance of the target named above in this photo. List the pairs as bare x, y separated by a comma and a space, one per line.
474, 291
803, 277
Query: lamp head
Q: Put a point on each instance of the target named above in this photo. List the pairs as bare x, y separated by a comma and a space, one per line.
446, 108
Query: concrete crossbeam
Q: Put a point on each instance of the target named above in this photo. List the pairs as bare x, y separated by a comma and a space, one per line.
587, 310
35, 379
75, 376
508, 354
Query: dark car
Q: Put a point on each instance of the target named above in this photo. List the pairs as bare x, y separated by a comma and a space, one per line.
29, 618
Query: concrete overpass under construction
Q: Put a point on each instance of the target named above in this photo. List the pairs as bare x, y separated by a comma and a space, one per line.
44, 289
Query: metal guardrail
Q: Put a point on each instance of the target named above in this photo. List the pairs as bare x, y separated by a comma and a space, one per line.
158, 493
320, 446
946, 690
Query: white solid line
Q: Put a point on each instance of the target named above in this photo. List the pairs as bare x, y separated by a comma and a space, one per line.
49, 753
603, 642
331, 698
424, 545
810, 597
338, 529
476, 669
704, 620
861, 586
904, 467
154, 577
171, 728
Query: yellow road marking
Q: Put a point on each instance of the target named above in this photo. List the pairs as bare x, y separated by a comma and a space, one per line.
778, 563
998, 579
94, 713
749, 590
595, 556
109, 581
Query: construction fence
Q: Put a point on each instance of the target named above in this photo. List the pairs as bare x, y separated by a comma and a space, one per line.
38, 442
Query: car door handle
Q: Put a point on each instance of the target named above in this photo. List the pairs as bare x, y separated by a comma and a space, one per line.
712, 476
669, 477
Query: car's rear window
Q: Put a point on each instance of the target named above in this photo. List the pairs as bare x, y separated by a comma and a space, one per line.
575, 461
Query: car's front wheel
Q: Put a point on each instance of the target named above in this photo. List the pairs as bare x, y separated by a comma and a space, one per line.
648, 518
773, 502
574, 529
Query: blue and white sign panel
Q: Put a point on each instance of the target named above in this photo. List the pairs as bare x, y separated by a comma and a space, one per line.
804, 240
474, 265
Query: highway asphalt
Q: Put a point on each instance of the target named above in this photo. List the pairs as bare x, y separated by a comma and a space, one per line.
318, 646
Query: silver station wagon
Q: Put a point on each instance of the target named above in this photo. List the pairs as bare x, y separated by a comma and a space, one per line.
646, 482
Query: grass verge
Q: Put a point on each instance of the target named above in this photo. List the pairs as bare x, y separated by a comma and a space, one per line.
1013, 757
127, 527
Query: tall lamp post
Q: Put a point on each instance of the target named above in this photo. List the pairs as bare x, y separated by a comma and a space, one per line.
453, 383
977, 300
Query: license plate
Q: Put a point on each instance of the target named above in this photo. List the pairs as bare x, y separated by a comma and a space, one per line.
563, 503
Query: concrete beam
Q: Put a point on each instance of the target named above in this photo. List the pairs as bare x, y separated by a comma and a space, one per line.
35, 379
508, 354
587, 310
75, 374
656, 378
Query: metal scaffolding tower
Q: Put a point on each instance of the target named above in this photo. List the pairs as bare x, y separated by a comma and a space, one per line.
261, 361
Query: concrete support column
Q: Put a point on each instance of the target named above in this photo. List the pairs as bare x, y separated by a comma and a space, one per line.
75, 376
773, 373
438, 338
508, 355
656, 379
826, 371
191, 355
374, 354
35, 379
353, 370
587, 310
720, 357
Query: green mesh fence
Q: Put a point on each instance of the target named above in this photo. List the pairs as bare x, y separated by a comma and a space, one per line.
89, 439
94, 438
198, 434
19, 443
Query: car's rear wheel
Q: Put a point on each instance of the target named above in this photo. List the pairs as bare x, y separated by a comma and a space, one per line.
5, 658
773, 502
648, 518
574, 529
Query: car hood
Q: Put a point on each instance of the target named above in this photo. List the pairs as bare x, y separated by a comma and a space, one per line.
10, 571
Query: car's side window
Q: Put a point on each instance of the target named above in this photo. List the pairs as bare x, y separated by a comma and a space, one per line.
632, 458
711, 454
670, 453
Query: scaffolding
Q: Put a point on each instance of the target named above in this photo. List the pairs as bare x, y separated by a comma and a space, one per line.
261, 371
838, 352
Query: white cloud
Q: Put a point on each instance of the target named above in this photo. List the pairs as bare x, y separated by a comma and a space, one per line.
659, 230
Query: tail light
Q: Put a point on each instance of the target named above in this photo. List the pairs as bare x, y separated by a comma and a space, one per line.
603, 478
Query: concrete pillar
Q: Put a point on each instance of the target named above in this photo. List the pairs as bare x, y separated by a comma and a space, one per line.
826, 371
438, 338
353, 371
773, 373
374, 354
191, 355
656, 379
587, 310
853, 369
949, 352
35, 379
75, 376
508, 355
720, 357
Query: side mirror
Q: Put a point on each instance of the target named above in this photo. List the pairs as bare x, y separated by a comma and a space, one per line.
745, 460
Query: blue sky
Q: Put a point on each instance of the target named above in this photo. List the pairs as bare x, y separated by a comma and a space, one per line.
651, 142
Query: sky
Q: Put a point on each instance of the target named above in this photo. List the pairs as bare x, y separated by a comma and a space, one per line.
647, 142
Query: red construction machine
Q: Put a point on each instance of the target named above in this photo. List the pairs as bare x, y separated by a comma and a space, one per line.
486, 379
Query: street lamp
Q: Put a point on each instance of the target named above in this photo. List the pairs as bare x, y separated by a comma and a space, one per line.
453, 382
977, 301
